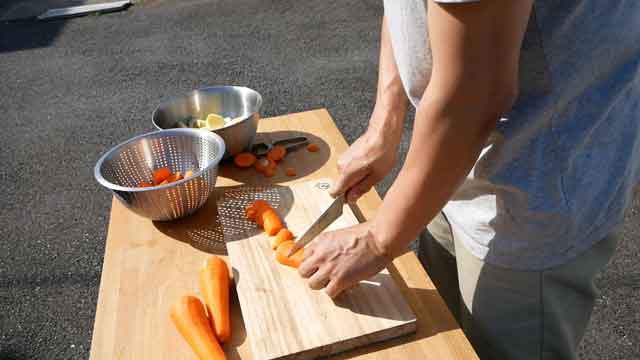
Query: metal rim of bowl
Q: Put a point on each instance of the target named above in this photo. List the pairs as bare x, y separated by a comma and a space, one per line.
192, 132
167, 102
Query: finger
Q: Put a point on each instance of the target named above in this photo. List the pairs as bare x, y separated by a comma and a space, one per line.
361, 188
320, 279
335, 287
347, 179
308, 267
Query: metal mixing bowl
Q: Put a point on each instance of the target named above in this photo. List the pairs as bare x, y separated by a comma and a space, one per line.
226, 101
124, 167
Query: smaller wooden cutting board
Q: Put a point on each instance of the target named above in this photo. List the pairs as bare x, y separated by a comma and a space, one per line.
284, 318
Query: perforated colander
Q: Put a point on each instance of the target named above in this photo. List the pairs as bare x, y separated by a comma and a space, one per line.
125, 166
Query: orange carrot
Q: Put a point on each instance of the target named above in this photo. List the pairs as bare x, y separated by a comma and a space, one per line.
282, 236
277, 153
269, 172
250, 213
164, 182
144, 184
188, 173
174, 177
214, 285
159, 175
262, 164
254, 209
313, 147
271, 222
244, 160
283, 250
290, 171
189, 317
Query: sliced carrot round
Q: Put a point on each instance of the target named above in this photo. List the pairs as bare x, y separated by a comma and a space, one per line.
290, 171
244, 159
313, 147
277, 153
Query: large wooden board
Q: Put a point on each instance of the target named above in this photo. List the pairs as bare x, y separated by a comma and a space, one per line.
284, 318
148, 265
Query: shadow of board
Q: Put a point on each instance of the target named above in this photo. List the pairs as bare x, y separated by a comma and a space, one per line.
222, 218
302, 160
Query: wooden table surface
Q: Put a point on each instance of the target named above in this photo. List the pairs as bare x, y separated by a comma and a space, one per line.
148, 265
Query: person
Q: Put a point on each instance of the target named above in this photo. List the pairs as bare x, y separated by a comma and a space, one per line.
524, 153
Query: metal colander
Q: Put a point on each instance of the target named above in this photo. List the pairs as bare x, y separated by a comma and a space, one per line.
125, 166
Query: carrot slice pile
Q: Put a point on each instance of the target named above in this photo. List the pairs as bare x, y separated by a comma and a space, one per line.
244, 159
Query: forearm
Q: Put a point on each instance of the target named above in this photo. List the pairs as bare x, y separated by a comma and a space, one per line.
391, 100
449, 133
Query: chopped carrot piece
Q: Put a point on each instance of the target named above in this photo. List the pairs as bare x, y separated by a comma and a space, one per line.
282, 236
271, 222
244, 159
188, 173
313, 147
250, 213
277, 153
164, 182
144, 184
254, 210
290, 171
269, 172
262, 164
174, 177
294, 260
159, 175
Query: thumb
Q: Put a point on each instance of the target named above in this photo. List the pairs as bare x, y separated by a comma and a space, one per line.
361, 188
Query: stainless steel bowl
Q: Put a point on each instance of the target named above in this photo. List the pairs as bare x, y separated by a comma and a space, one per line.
125, 166
226, 101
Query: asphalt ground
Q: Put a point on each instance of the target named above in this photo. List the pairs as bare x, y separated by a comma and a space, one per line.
71, 89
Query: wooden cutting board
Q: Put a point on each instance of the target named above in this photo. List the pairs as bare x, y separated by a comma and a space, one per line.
284, 318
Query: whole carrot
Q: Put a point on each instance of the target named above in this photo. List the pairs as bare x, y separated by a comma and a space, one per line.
214, 285
189, 317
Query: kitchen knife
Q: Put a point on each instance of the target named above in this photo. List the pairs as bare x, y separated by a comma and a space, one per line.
327, 218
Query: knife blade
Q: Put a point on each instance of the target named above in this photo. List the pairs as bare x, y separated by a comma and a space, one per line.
327, 218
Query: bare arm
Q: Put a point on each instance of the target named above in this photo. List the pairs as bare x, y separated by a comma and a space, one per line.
374, 154
475, 50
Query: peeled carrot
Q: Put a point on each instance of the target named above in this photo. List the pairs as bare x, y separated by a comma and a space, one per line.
244, 160
188, 173
290, 171
282, 236
214, 285
277, 153
189, 317
313, 147
271, 222
283, 250
174, 177
159, 175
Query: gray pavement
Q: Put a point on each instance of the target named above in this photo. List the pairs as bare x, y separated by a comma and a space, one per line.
71, 89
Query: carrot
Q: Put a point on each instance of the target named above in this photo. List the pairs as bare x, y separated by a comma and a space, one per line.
282, 236
277, 153
164, 182
188, 173
244, 159
283, 250
290, 171
269, 172
262, 164
144, 184
189, 317
174, 177
313, 147
271, 222
159, 175
254, 209
214, 285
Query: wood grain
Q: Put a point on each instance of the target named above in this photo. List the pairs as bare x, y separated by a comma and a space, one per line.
284, 318
149, 265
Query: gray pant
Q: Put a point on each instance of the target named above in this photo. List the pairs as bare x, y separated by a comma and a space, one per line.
510, 314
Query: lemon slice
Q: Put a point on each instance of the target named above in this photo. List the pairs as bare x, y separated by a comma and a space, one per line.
215, 121
201, 124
